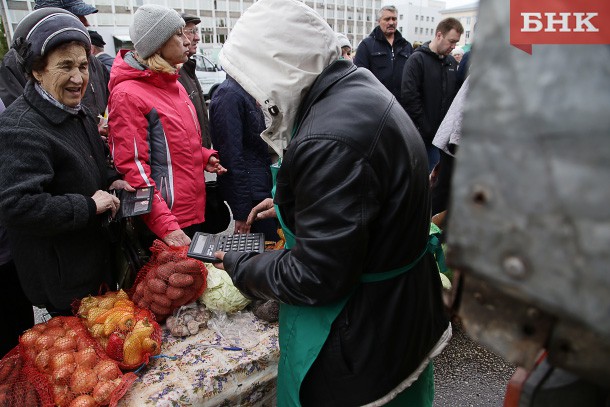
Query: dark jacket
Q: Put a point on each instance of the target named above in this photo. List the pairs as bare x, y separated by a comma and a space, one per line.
429, 85
354, 189
236, 123
13, 80
188, 79
51, 163
106, 59
375, 54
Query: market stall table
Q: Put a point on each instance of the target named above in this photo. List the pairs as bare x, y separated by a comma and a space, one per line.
199, 371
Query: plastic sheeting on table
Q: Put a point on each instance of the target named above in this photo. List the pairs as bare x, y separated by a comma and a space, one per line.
201, 375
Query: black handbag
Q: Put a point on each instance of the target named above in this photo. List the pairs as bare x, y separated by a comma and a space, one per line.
129, 253
217, 214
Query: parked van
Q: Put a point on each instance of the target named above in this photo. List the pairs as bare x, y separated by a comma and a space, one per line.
209, 75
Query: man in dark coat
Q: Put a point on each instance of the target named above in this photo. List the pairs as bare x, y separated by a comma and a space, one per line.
429, 83
189, 80
385, 51
97, 49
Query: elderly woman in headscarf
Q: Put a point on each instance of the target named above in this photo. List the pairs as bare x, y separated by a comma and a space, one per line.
154, 131
53, 172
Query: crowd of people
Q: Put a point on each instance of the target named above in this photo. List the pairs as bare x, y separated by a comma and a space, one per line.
336, 152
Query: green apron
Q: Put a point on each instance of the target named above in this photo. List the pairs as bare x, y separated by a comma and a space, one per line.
303, 331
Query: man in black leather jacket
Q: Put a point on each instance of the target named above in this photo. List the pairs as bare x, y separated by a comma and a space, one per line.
353, 189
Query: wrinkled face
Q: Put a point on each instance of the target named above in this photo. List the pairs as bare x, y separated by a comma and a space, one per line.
175, 50
66, 74
447, 42
388, 22
458, 57
192, 33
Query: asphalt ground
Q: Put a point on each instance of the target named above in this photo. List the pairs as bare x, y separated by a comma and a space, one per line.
467, 374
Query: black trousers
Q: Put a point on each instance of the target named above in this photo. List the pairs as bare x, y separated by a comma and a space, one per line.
17, 312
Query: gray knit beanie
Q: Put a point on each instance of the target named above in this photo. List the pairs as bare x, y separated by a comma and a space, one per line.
152, 26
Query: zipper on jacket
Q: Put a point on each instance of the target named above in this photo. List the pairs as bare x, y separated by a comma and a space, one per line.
194, 116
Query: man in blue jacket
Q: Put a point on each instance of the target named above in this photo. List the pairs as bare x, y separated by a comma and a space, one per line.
385, 51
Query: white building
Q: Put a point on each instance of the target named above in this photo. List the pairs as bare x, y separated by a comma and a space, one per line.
468, 16
354, 18
417, 19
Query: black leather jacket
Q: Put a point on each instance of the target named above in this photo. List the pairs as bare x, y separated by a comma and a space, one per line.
353, 186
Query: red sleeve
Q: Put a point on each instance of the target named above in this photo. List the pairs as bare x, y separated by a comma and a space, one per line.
128, 140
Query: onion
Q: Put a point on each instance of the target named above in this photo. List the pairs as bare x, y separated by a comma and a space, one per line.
83, 380
86, 358
29, 337
107, 370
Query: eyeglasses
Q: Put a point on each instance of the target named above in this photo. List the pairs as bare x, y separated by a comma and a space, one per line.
190, 31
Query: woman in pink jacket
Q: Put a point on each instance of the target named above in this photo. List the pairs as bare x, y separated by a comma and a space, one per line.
154, 132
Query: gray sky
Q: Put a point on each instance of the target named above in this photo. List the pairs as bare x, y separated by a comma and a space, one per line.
457, 3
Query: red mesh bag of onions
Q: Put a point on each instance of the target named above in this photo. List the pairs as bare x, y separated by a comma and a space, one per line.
67, 367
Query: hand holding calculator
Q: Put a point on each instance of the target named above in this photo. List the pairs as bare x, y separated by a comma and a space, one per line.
204, 245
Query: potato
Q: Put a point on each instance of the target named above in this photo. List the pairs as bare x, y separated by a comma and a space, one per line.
164, 271
173, 293
156, 285
181, 280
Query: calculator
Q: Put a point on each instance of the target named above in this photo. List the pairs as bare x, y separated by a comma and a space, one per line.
204, 245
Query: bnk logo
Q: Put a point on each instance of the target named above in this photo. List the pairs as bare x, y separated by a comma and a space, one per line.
559, 22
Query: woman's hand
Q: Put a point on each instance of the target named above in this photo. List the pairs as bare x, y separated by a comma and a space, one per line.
214, 166
177, 238
105, 201
121, 184
241, 226
263, 210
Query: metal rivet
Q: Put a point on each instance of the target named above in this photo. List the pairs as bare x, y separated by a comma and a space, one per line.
514, 267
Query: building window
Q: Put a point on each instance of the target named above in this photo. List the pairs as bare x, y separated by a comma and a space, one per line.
432, 19
400, 17
467, 20
467, 35
427, 18
416, 17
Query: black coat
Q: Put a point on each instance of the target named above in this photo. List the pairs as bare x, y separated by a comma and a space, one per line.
429, 85
236, 123
354, 189
188, 79
51, 163
385, 61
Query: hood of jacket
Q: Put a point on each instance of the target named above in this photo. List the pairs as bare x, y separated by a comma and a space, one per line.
275, 52
425, 48
126, 67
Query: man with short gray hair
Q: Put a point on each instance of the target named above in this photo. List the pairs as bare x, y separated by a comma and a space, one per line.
385, 51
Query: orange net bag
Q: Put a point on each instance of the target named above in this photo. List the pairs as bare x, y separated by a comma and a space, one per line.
67, 367
127, 334
169, 280
18, 383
